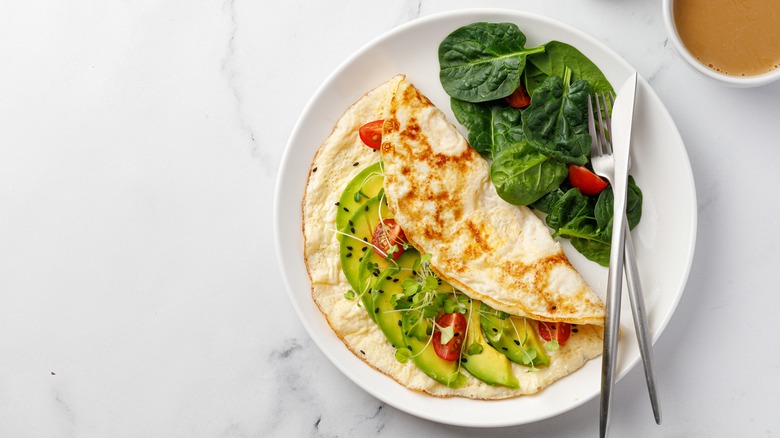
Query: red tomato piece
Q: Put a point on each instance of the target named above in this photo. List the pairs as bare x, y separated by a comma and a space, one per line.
558, 331
588, 182
388, 235
451, 350
519, 98
371, 134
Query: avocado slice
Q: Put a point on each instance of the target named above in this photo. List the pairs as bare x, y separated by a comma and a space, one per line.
364, 186
423, 354
514, 336
387, 284
355, 245
487, 364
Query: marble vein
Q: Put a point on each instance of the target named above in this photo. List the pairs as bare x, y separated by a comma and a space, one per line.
231, 73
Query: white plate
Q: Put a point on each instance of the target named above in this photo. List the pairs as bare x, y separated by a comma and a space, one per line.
664, 239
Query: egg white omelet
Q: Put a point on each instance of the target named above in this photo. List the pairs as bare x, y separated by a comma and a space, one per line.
339, 159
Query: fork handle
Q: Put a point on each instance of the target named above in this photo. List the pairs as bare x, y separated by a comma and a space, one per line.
636, 298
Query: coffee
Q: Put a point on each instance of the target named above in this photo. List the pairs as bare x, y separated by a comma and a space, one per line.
733, 37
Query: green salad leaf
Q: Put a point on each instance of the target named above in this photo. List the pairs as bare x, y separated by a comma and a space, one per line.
483, 61
522, 175
606, 204
492, 126
556, 122
558, 56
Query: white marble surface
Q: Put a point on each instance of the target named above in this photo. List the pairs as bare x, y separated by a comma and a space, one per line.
139, 291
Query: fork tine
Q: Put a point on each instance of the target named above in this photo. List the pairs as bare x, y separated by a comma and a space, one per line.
607, 115
595, 147
605, 146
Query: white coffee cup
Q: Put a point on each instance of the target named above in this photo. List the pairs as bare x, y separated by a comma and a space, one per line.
734, 81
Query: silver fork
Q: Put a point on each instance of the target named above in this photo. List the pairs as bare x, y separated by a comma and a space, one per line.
603, 165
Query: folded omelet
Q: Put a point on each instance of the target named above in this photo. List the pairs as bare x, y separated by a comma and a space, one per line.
439, 191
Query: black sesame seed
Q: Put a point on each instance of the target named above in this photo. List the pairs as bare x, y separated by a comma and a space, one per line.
362, 352
337, 202
554, 307
356, 163
314, 170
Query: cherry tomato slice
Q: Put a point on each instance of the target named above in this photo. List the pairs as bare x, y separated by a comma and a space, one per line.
388, 235
371, 134
588, 182
451, 350
519, 98
558, 331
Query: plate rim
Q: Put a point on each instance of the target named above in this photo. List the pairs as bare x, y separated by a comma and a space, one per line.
285, 167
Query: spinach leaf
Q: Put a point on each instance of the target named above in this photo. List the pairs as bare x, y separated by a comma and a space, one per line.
557, 56
546, 203
573, 217
571, 205
521, 175
492, 126
483, 61
585, 238
533, 77
605, 205
556, 122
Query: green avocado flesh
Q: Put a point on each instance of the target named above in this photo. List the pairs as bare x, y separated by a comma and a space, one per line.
355, 245
489, 365
365, 185
514, 336
425, 357
388, 283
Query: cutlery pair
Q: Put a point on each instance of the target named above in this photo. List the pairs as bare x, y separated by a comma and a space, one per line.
612, 164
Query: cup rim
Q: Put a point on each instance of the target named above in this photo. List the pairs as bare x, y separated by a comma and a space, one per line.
736, 81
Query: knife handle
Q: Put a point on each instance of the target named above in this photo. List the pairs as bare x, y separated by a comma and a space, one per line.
636, 297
